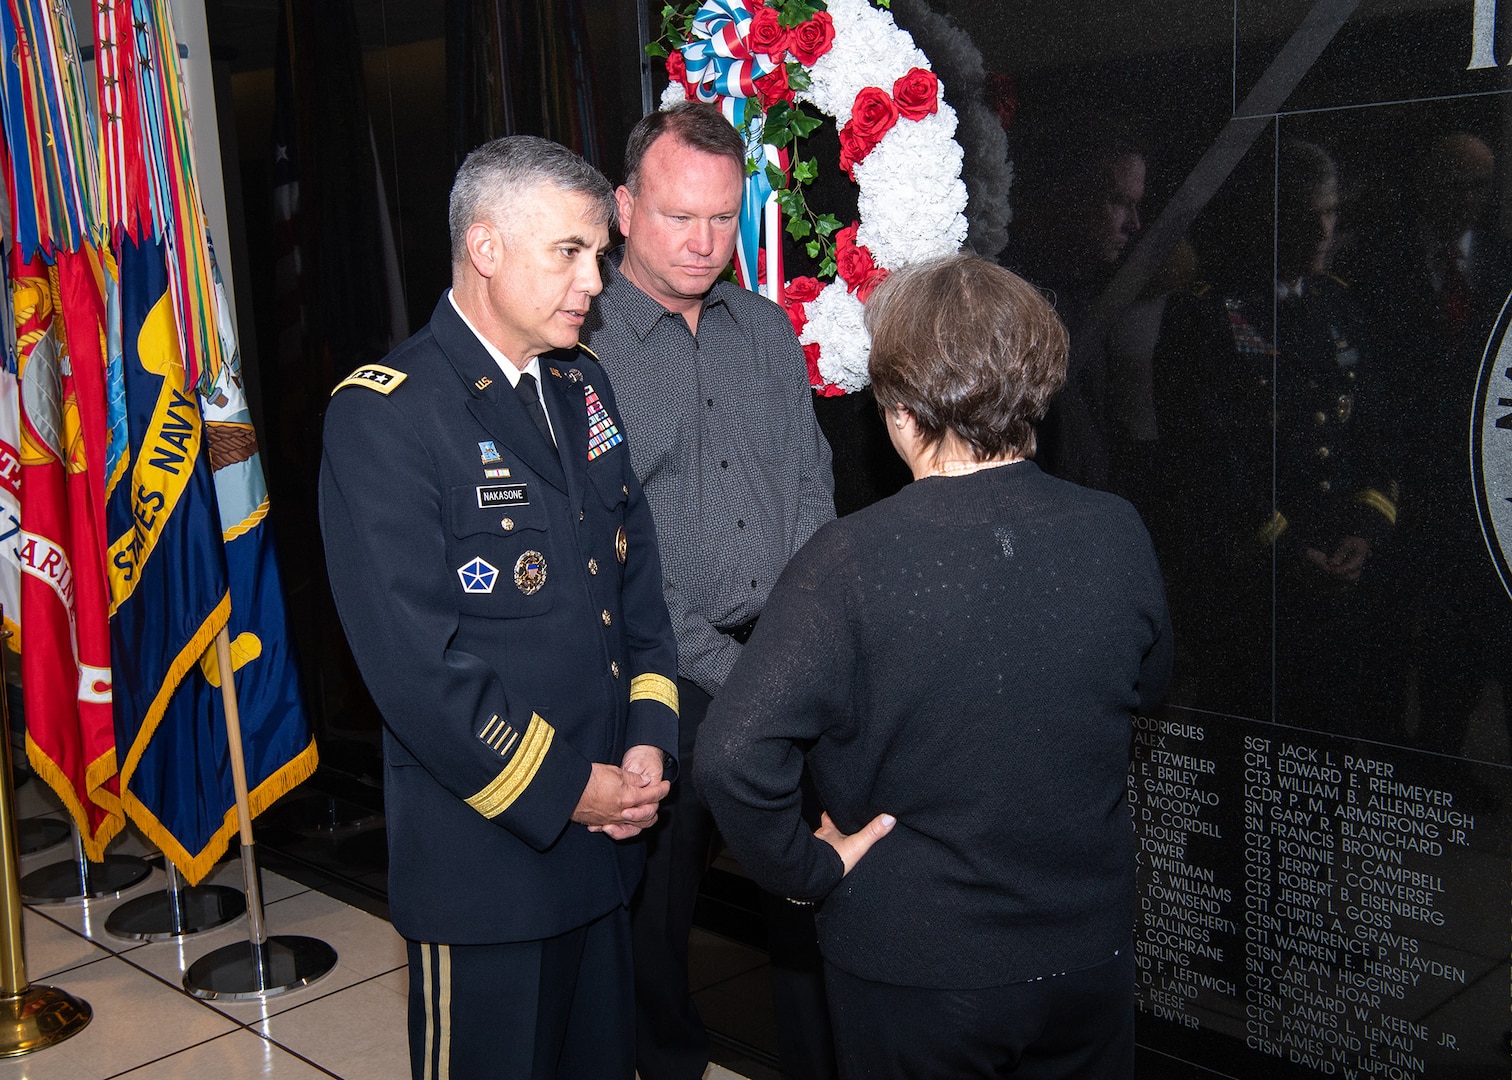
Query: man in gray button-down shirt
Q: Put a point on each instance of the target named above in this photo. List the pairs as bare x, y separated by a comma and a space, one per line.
713, 388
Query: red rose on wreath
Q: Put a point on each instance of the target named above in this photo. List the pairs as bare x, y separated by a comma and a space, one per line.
852, 262
917, 94
873, 115
773, 86
853, 150
677, 67
797, 315
870, 282
812, 38
766, 34
803, 289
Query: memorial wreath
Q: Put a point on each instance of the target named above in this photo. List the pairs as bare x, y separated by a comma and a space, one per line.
764, 65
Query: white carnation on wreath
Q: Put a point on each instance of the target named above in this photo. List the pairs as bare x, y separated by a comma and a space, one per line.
850, 60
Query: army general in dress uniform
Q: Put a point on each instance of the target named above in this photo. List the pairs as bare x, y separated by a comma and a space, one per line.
496, 571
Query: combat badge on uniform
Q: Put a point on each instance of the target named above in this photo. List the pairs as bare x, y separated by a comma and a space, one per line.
478, 576
385, 380
489, 451
530, 572
603, 435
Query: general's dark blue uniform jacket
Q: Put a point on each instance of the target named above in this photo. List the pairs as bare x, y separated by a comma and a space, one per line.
504, 605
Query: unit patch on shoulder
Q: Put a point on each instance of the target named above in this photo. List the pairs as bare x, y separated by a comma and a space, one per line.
385, 380
478, 576
603, 435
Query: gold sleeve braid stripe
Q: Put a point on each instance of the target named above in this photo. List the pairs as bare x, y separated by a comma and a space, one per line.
1379, 503
656, 687
505, 788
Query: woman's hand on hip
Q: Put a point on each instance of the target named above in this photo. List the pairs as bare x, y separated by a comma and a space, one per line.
851, 848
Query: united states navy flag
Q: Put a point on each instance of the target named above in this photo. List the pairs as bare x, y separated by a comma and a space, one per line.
183, 564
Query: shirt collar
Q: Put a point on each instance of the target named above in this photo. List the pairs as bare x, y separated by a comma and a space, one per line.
506, 365
639, 311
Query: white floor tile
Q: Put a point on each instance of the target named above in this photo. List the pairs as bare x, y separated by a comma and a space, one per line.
241, 1055
361, 1031
365, 946
51, 948
136, 1020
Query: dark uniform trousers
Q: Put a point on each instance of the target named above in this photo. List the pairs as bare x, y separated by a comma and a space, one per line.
556, 1008
503, 601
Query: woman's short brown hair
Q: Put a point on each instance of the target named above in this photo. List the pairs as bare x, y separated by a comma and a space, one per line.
967, 347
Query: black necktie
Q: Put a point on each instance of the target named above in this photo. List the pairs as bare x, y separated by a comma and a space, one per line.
531, 399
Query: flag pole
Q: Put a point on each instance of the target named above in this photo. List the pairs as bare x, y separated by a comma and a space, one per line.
261, 966
31, 1017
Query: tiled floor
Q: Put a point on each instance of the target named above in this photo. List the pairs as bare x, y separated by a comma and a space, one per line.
348, 1024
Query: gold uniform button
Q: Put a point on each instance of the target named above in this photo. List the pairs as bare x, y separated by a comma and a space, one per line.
608, 618
1320, 418
1323, 452
625, 488
580, 515
593, 566
507, 524
614, 667
1324, 485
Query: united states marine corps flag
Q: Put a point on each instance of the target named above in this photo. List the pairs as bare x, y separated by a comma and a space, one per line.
57, 291
65, 647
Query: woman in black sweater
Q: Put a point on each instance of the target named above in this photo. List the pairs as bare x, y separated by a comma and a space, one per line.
964, 659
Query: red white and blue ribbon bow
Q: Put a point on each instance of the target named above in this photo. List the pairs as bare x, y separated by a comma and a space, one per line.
719, 59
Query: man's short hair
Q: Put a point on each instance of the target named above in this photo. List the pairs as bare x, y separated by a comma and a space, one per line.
967, 347
692, 123
498, 173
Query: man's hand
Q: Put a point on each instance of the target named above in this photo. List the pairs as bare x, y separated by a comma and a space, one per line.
619, 803
644, 763
851, 848
1347, 560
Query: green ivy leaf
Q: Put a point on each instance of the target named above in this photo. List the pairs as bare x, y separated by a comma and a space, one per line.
656, 48
798, 77
812, 247
827, 266
798, 228
803, 124
775, 177
805, 172
828, 225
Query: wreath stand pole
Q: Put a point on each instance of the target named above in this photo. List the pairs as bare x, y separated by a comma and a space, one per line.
261, 966
31, 1017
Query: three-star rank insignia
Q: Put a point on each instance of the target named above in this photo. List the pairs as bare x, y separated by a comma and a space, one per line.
621, 545
478, 576
530, 572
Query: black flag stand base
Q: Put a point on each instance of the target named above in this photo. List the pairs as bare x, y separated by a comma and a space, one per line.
31, 1017
64, 882
261, 966
177, 912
